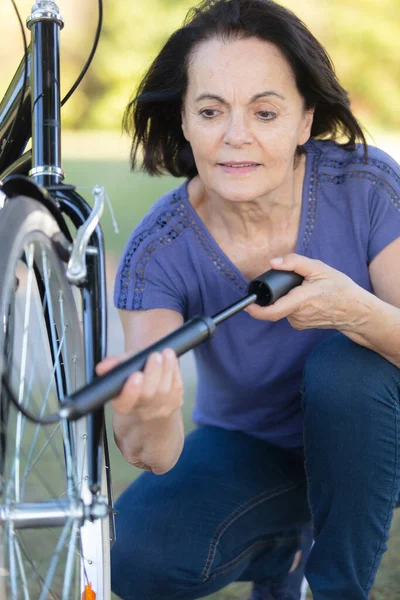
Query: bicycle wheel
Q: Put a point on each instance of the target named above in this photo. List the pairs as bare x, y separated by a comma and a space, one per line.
49, 548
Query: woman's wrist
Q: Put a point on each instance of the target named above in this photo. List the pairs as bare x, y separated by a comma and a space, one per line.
374, 324
355, 311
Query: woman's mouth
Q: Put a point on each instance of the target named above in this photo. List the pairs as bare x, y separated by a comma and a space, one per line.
238, 167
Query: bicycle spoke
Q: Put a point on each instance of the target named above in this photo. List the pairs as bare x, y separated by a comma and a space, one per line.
71, 472
12, 569
85, 575
46, 486
50, 384
83, 463
42, 411
63, 327
54, 560
28, 399
37, 457
69, 568
21, 568
35, 354
21, 418
59, 378
44, 405
67, 545
41, 309
23, 367
46, 274
79, 481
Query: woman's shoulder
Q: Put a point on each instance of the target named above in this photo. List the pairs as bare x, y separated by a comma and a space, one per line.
164, 222
148, 266
335, 160
164, 209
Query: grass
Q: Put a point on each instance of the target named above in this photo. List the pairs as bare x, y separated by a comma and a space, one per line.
131, 196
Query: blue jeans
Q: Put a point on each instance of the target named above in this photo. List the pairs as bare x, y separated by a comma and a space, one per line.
236, 508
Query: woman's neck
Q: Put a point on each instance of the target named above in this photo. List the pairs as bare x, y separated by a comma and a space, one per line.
251, 220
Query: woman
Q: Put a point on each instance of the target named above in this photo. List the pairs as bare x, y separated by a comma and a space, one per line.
298, 403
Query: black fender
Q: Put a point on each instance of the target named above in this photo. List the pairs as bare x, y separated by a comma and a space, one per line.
20, 185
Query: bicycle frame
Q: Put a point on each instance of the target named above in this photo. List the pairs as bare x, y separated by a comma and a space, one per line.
15, 96
39, 119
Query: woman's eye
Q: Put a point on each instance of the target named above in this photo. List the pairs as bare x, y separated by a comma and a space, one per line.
208, 113
266, 115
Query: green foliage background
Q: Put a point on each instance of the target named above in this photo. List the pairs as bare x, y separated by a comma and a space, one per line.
362, 37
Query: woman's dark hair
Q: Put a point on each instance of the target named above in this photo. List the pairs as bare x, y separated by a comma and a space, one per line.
154, 115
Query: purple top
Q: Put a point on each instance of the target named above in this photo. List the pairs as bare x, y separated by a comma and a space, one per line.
249, 373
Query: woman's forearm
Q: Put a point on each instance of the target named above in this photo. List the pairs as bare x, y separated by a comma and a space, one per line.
375, 324
153, 445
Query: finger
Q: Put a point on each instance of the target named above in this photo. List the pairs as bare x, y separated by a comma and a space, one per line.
110, 362
107, 364
283, 307
307, 267
130, 394
177, 382
152, 374
168, 367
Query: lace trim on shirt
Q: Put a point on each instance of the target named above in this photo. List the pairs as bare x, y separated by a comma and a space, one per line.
311, 202
177, 209
367, 175
336, 164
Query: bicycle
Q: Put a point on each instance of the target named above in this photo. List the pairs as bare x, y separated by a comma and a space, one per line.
55, 342
60, 281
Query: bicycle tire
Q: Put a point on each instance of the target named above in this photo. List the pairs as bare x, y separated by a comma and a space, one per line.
31, 269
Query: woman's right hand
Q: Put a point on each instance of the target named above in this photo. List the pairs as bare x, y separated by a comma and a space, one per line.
147, 420
152, 394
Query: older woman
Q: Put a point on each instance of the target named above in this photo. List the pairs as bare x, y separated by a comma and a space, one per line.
297, 407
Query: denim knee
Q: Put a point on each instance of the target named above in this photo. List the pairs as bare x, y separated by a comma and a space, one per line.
339, 370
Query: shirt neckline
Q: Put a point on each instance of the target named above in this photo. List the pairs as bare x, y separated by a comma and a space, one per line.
303, 217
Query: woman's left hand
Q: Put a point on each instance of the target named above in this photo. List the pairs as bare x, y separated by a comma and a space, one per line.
326, 299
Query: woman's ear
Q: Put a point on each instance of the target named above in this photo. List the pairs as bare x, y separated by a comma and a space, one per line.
308, 121
183, 124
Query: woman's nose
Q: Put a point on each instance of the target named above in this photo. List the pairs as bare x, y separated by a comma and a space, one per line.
237, 131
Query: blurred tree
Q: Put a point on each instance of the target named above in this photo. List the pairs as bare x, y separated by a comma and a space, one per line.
361, 36
364, 41
133, 32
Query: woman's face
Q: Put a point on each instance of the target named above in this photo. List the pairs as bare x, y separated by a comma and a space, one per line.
244, 118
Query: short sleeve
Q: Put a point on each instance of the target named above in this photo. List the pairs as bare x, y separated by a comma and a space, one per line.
384, 210
145, 280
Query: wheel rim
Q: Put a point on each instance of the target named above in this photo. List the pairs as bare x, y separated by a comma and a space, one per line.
41, 464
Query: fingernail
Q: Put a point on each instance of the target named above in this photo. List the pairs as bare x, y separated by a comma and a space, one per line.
277, 261
158, 357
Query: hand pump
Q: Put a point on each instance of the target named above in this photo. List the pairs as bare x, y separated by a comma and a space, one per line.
263, 290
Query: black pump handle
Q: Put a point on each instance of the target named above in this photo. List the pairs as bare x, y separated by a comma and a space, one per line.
272, 285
